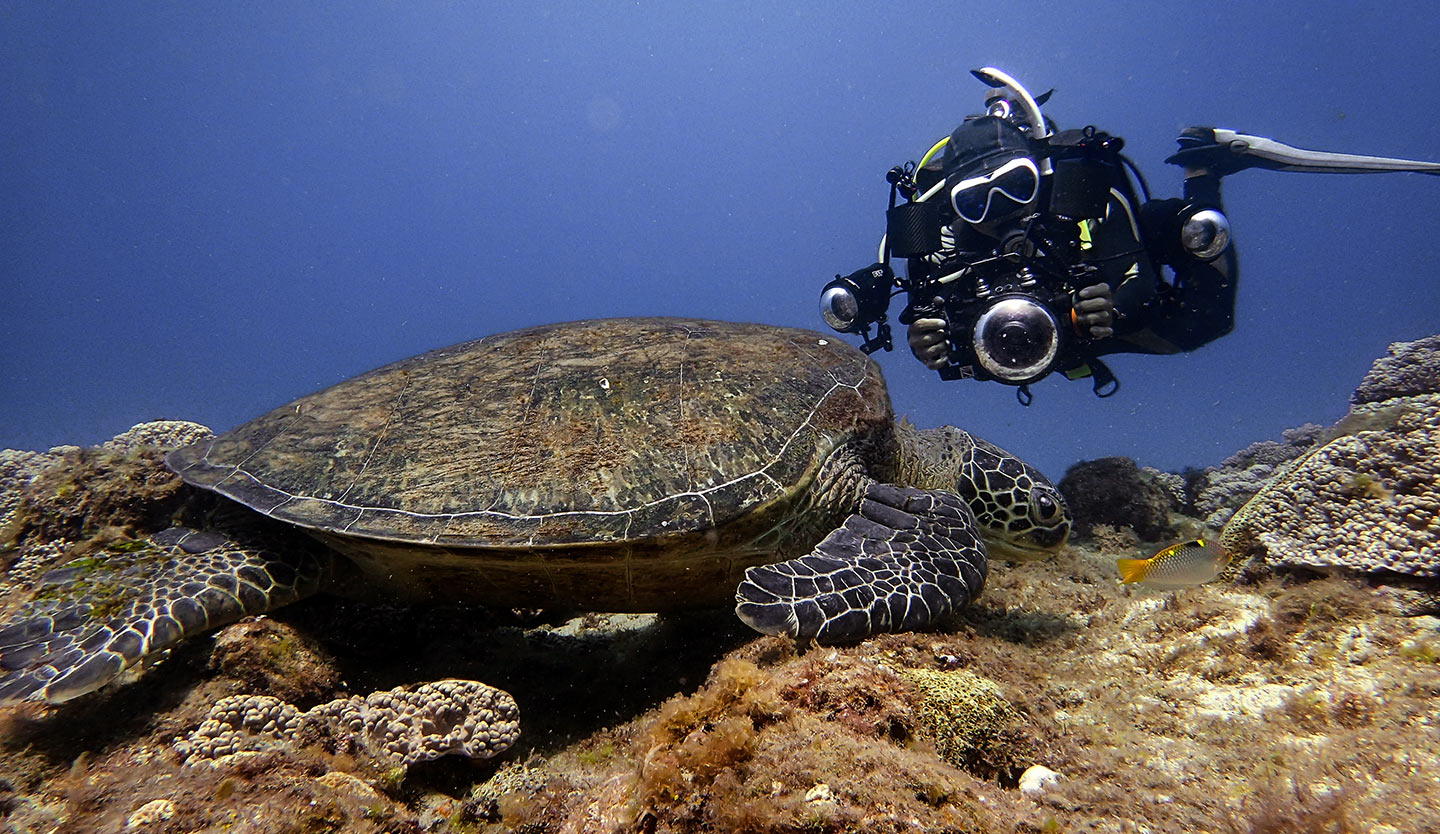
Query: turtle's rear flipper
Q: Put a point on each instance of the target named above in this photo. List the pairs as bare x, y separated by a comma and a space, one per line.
96, 616
909, 557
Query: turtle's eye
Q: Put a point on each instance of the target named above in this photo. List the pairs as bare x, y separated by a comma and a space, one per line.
1045, 506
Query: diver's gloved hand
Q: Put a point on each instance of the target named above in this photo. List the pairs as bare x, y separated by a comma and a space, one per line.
1094, 312
930, 341
1199, 150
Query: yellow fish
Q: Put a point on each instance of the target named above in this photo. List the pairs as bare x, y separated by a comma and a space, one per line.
1177, 566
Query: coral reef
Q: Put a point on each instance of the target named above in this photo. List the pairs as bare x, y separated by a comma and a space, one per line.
1061, 701
1171, 482
1407, 369
1219, 708
85, 499
17, 469
403, 725
1116, 492
161, 434
1367, 500
1216, 493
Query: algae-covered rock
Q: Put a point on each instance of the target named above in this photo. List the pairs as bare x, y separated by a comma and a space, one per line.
262, 654
971, 722
1116, 492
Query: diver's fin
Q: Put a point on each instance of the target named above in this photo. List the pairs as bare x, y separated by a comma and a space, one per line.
1224, 151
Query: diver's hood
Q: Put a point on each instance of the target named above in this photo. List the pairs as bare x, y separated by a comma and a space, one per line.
982, 144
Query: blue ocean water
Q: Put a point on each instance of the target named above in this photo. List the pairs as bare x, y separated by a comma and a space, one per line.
207, 210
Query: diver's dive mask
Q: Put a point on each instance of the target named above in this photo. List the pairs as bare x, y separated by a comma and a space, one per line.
998, 195
990, 171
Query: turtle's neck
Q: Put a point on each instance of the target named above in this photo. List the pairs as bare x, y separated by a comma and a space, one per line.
930, 458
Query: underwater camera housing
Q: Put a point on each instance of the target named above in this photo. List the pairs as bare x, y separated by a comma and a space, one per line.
1009, 309
1004, 283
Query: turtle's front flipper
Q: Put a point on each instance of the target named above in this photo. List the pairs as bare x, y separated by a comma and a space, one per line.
96, 616
909, 557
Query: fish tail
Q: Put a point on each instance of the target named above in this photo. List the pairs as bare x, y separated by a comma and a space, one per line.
1133, 570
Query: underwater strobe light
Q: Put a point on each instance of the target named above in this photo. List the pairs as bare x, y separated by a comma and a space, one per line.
851, 303
1205, 234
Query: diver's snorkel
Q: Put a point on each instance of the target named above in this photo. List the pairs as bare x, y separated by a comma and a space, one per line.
999, 79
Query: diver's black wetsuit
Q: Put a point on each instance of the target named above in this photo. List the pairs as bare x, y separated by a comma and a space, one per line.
1129, 247
1153, 315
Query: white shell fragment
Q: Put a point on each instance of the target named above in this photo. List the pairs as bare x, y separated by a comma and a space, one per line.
1037, 779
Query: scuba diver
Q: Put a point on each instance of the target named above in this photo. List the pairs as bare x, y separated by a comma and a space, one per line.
1029, 250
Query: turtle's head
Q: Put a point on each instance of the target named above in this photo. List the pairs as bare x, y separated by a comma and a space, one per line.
1021, 514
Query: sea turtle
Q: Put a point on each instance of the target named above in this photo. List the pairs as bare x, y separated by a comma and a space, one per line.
639, 464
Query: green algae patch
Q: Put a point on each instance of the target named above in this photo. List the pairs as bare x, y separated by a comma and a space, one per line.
106, 581
971, 723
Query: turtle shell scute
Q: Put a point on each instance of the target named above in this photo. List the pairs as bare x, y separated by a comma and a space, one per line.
592, 431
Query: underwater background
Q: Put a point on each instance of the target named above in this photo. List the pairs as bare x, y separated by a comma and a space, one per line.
207, 210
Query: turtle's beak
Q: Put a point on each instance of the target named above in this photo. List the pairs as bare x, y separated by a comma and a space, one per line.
1025, 547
